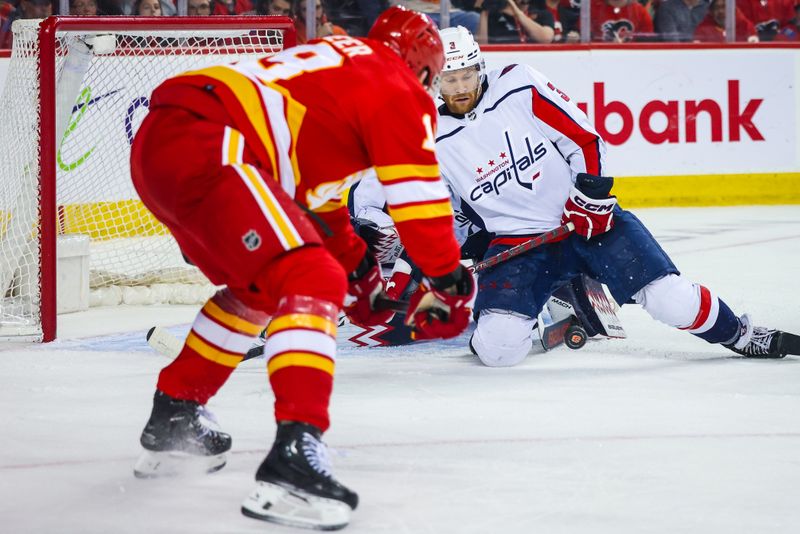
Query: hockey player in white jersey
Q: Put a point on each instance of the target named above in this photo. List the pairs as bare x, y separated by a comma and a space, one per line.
522, 155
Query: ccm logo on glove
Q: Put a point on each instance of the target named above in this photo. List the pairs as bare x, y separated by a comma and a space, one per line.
589, 206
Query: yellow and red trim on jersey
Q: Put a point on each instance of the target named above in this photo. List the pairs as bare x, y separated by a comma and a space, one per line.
301, 320
394, 173
281, 224
421, 210
231, 321
300, 359
221, 335
232, 147
211, 352
247, 94
398, 193
294, 112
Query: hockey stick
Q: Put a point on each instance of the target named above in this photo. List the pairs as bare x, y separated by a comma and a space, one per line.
541, 239
383, 303
401, 306
167, 344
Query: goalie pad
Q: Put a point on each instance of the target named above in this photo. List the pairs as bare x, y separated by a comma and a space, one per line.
381, 238
591, 304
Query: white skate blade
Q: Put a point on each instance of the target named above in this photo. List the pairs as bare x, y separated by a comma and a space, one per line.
271, 502
171, 463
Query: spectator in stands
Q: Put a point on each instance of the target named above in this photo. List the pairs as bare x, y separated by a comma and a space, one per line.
370, 9
712, 28
772, 18
792, 32
198, 8
676, 20
281, 8
25, 9
324, 27
147, 8
511, 21
232, 7
6, 7
83, 8
128, 7
620, 21
566, 18
432, 8
109, 7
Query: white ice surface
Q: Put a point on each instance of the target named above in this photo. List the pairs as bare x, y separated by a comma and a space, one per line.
659, 433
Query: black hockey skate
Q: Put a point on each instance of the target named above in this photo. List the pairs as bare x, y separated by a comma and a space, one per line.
295, 486
178, 439
762, 342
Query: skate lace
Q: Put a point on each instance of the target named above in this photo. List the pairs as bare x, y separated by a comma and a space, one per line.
204, 423
760, 341
316, 454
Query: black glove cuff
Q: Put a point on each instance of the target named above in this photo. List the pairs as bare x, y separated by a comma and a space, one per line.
459, 278
367, 263
596, 187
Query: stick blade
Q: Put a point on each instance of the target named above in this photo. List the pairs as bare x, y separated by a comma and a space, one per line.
164, 342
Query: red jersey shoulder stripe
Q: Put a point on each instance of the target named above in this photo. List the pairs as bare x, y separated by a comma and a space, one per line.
558, 119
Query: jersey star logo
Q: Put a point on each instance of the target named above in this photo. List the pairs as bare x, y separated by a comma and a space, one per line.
491, 162
503, 155
480, 170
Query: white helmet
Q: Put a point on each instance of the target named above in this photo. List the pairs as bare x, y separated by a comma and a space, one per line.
461, 50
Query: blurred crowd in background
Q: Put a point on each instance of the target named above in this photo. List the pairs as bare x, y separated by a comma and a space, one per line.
491, 21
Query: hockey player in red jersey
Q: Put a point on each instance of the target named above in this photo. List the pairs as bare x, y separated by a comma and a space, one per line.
246, 164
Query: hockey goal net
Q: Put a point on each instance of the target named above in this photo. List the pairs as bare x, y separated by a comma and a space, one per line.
76, 91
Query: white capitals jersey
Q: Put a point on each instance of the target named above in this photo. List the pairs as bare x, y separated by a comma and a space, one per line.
514, 158
369, 202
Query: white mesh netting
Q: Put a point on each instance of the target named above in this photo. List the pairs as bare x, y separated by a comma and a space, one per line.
101, 98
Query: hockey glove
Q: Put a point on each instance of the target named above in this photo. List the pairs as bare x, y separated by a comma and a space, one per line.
364, 286
440, 307
400, 279
589, 206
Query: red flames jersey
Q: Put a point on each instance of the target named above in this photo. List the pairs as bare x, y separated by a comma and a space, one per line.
768, 16
321, 116
619, 24
709, 32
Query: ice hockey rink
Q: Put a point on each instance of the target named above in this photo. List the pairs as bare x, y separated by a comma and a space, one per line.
658, 433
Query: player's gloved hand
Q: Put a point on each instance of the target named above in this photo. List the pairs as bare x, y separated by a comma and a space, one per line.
364, 286
440, 307
400, 279
589, 206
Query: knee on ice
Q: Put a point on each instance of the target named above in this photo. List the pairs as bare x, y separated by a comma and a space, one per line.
502, 338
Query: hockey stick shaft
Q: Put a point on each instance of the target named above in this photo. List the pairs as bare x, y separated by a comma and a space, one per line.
167, 344
541, 239
383, 303
401, 306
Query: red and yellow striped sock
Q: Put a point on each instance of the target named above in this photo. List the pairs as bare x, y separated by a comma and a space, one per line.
221, 334
300, 351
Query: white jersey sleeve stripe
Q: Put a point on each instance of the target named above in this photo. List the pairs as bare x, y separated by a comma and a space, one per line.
414, 191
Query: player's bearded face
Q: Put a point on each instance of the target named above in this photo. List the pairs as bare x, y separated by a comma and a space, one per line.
460, 89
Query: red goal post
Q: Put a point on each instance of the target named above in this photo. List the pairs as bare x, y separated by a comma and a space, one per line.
66, 120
